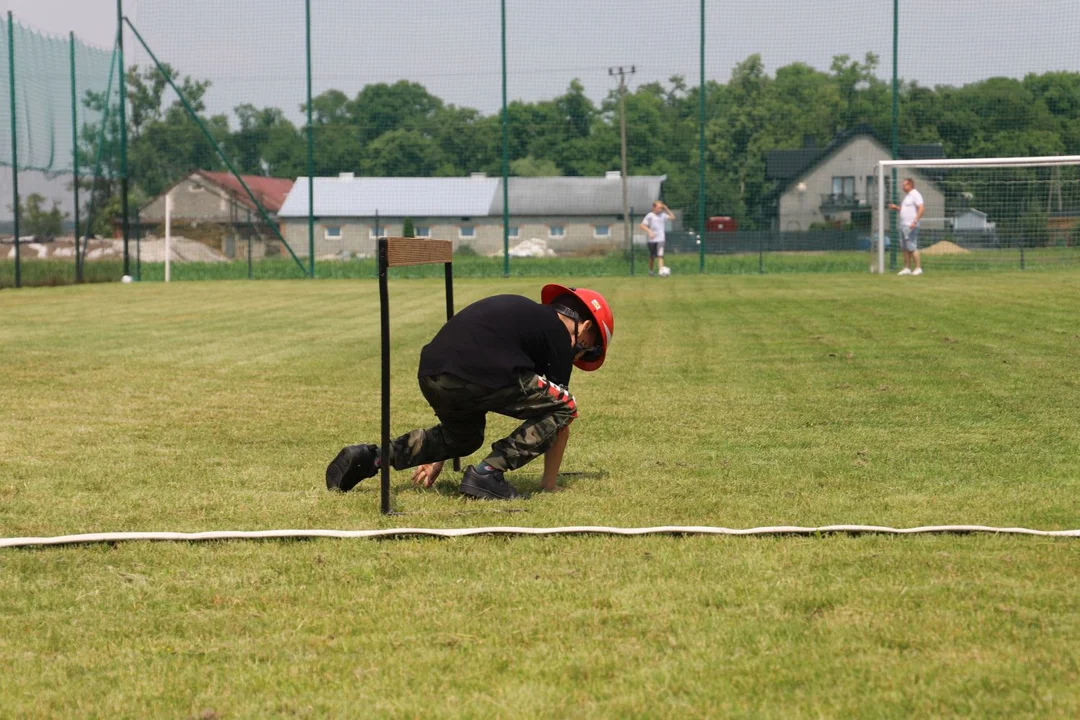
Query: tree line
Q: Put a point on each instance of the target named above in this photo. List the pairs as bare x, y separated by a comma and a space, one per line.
401, 129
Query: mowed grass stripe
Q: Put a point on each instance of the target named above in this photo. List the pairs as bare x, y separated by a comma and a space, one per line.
737, 401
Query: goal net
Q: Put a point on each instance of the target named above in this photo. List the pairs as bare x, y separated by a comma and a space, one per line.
988, 212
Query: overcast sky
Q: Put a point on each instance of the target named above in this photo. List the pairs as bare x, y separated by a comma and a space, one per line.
253, 50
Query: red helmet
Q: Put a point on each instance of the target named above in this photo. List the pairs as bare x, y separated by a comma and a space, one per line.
601, 315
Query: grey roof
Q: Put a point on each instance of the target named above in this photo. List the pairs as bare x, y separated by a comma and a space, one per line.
392, 197
469, 196
578, 195
788, 165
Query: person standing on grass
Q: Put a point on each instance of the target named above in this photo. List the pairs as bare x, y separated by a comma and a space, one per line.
655, 224
911, 212
504, 354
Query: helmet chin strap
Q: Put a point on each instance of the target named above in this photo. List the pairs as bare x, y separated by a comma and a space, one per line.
589, 354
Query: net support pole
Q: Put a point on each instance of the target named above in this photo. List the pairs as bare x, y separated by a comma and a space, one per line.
310, 145
214, 144
75, 154
631, 242
895, 120
449, 273
250, 239
881, 219
627, 231
138, 244
14, 146
98, 155
505, 154
384, 334
701, 147
122, 100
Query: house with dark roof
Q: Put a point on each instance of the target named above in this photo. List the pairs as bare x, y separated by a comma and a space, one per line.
837, 184
569, 214
214, 207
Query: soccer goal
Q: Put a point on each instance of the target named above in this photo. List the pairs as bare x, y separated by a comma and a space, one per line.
985, 211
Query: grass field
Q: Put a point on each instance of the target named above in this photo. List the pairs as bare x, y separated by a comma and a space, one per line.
617, 264
736, 401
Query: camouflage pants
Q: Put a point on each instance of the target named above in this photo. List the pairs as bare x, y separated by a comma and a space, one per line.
462, 406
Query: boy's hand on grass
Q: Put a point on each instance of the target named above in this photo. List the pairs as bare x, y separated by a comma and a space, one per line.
426, 475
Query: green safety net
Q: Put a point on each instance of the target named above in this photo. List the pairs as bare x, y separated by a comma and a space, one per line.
65, 108
43, 99
408, 134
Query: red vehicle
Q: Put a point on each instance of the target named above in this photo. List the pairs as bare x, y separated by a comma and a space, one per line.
721, 223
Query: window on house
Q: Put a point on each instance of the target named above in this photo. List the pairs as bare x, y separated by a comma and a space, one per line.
843, 186
332, 232
466, 232
601, 231
872, 189
556, 231
195, 187
514, 231
422, 231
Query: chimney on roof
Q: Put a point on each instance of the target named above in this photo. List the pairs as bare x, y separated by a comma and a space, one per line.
346, 176
478, 176
612, 175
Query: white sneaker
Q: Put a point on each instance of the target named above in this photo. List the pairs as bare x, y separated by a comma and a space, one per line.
905, 271
918, 271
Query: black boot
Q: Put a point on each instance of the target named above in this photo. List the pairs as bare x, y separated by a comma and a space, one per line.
487, 484
353, 464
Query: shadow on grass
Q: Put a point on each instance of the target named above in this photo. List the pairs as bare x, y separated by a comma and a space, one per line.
528, 484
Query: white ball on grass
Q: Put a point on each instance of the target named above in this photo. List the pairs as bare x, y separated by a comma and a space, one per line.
125, 279
665, 271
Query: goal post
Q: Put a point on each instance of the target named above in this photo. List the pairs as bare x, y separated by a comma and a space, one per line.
1003, 202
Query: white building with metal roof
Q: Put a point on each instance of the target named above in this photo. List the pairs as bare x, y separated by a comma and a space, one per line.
570, 214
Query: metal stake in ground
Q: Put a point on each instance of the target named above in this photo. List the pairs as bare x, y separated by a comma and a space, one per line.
393, 252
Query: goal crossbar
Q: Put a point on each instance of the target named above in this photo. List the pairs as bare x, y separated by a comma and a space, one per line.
1048, 161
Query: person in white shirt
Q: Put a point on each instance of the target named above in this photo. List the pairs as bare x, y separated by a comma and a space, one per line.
911, 212
654, 224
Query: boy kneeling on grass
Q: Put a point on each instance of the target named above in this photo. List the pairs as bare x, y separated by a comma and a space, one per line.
504, 354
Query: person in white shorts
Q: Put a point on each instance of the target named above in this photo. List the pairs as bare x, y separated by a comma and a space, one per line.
911, 212
654, 224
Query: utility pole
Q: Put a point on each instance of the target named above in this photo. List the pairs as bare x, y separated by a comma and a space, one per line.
621, 73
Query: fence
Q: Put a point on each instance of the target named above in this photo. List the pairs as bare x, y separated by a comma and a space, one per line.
289, 135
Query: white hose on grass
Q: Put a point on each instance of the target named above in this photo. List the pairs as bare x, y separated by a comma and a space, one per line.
115, 537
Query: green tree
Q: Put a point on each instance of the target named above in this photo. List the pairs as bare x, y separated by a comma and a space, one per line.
380, 108
864, 98
37, 220
266, 143
529, 166
405, 153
